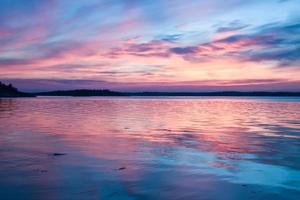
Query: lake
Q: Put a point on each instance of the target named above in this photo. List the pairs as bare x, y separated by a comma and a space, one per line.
150, 148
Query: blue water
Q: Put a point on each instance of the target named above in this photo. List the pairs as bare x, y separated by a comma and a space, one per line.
150, 148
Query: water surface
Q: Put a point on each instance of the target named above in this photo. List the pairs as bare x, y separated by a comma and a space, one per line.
150, 148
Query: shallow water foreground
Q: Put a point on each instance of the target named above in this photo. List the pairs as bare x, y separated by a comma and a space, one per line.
150, 148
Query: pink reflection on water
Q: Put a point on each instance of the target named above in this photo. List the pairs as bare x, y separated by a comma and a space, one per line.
134, 140
213, 124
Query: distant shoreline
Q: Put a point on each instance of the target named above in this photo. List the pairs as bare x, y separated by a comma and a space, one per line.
91, 93
9, 91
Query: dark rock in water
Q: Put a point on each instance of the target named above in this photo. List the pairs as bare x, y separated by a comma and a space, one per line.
58, 154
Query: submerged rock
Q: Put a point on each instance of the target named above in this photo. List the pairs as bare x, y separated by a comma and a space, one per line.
59, 154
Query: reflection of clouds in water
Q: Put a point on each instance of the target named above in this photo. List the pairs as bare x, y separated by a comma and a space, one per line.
242, 170
281, 130
228, 141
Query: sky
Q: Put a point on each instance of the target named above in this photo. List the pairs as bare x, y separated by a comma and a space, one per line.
151, 45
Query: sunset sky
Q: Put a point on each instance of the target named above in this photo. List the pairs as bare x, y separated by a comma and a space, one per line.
151, 45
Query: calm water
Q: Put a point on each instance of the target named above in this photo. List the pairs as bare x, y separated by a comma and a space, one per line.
143, 148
